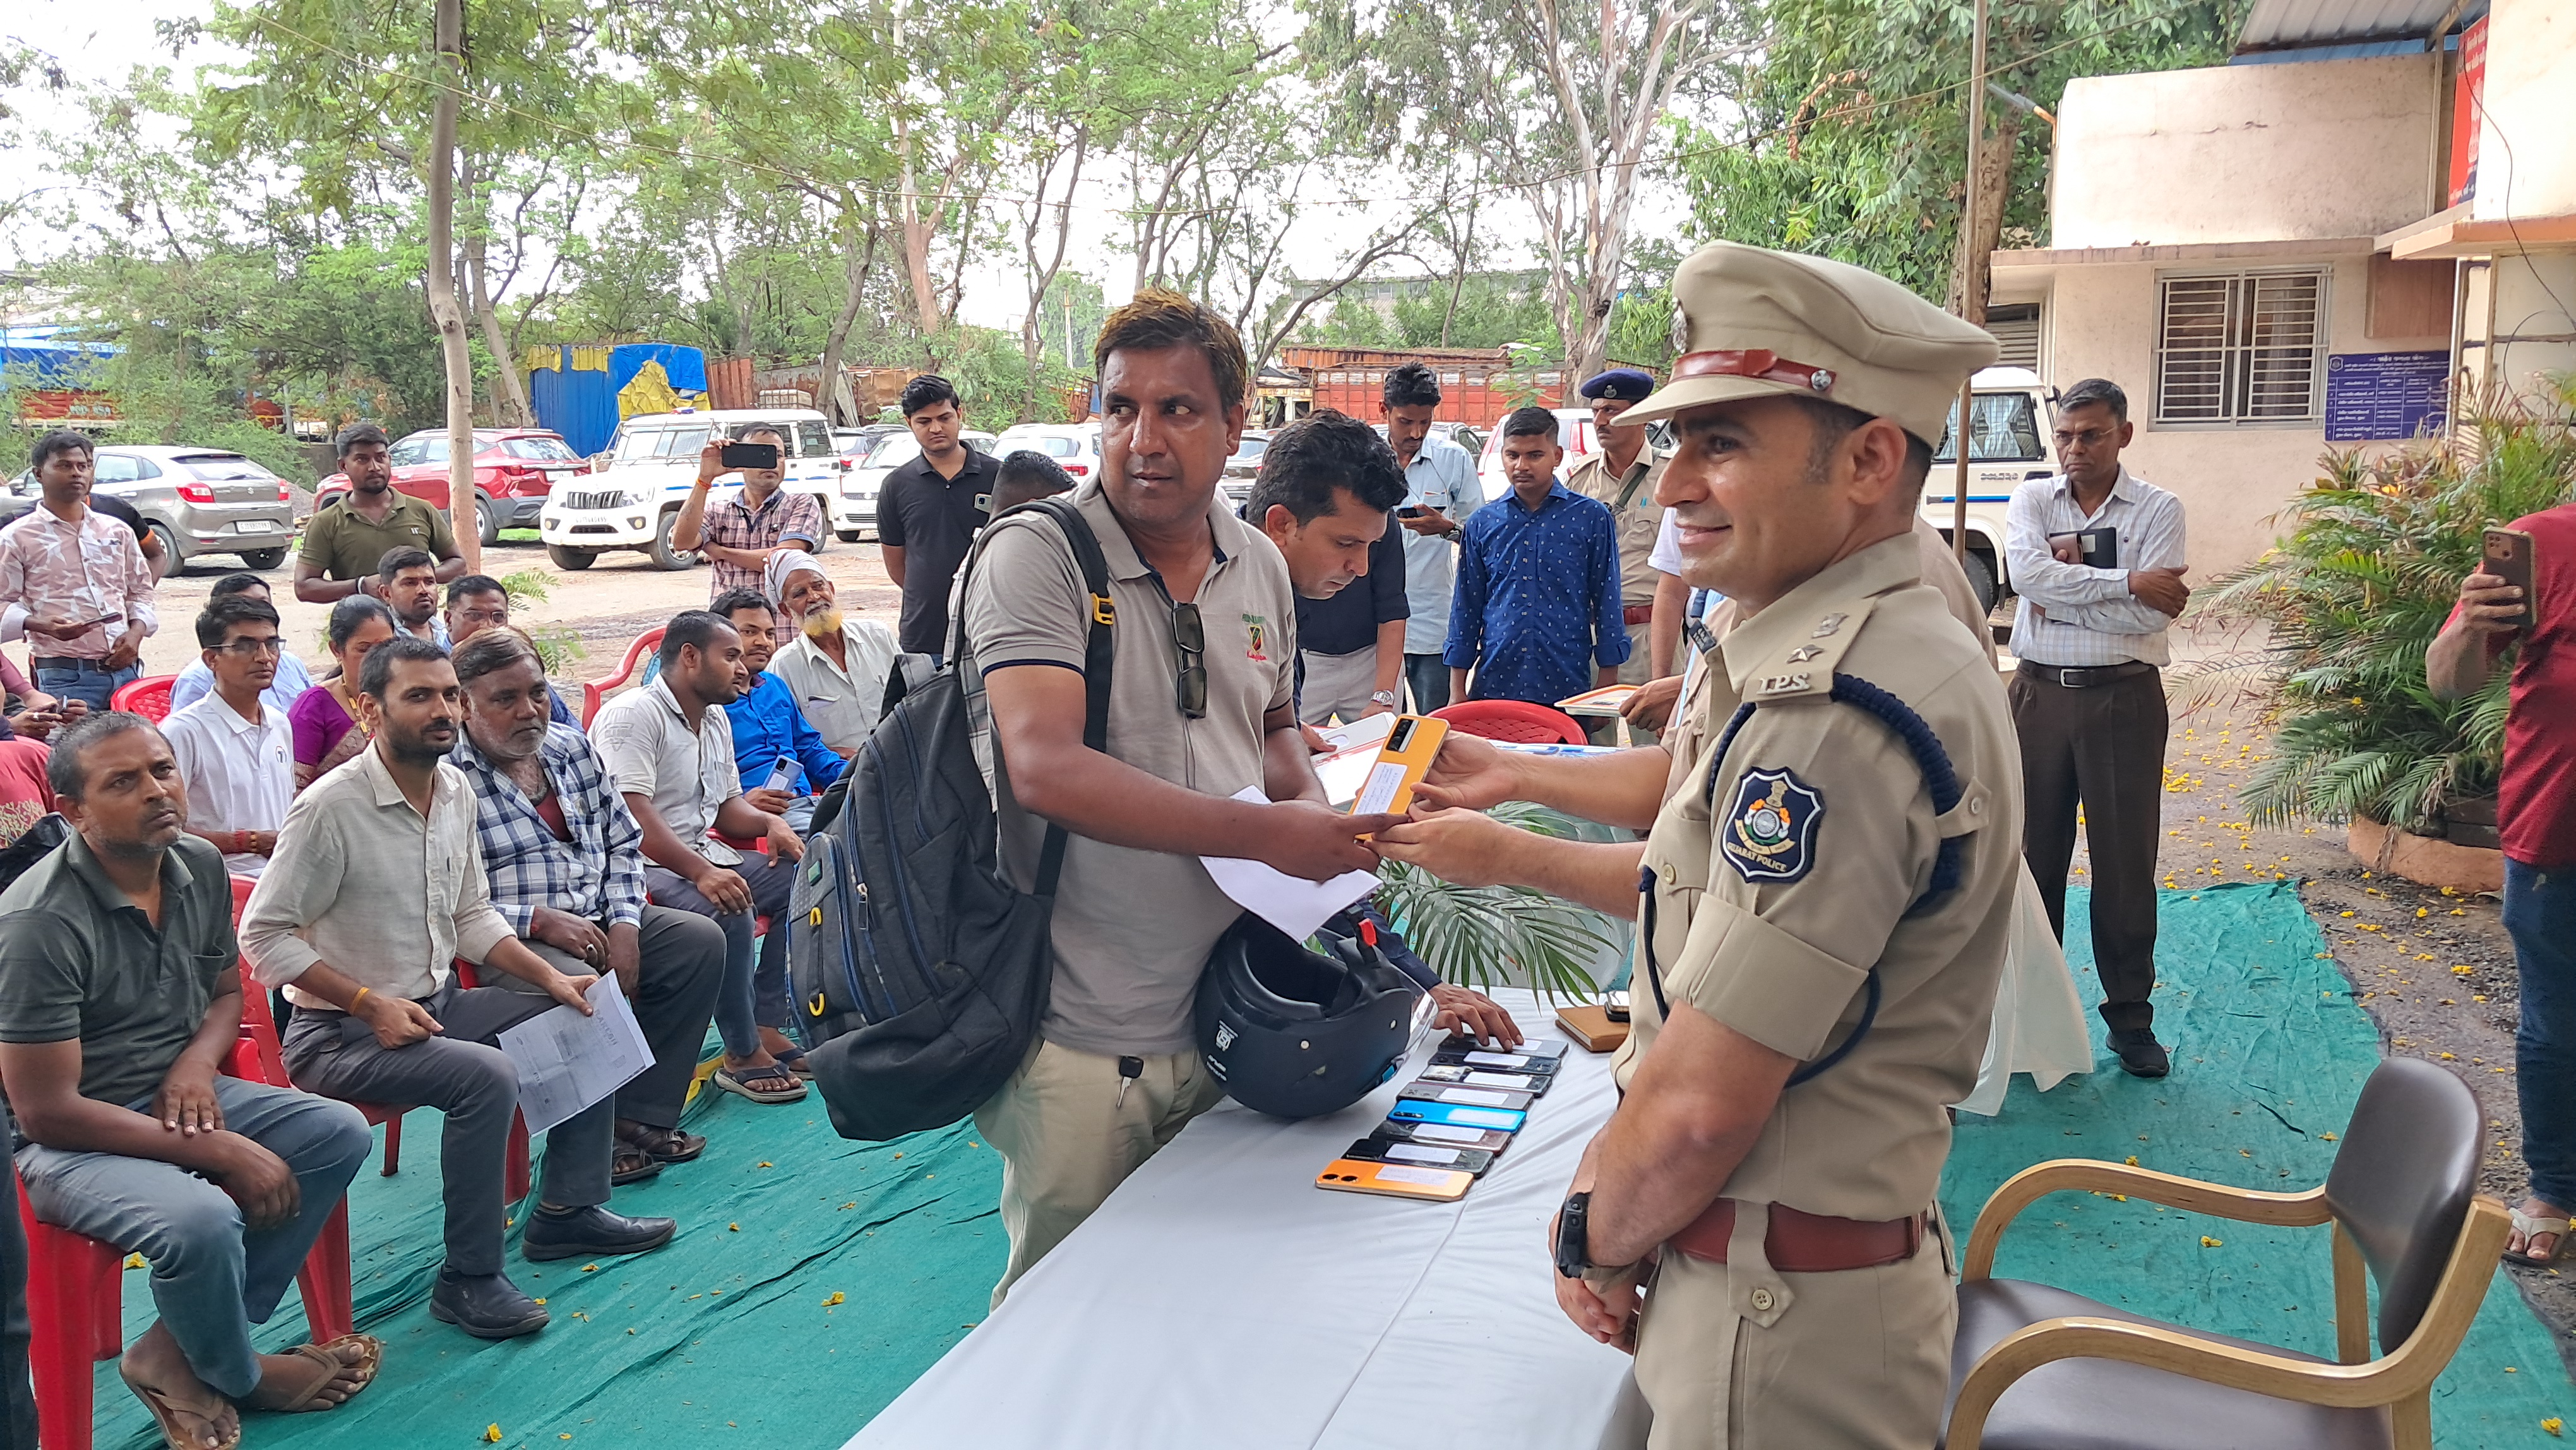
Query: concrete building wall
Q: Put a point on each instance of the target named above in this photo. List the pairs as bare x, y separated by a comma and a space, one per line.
2100, 321
2247, 153
2523, 157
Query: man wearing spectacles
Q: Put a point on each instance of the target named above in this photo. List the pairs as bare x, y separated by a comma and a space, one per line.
2096, 554
235, 750
1201, 714
478, 602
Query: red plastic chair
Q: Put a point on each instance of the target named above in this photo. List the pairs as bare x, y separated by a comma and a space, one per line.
1517, 721
593, 692
148, 697
75, 1298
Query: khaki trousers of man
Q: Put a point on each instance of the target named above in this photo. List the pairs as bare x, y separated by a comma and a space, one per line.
1738, 1356
1639, 667
1069, 1135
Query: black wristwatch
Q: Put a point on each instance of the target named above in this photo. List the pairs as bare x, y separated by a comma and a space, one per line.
1573, 1239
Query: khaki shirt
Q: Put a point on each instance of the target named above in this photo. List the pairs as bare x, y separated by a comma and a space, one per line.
1780, 948
1132, 928
346, 544
1633, 512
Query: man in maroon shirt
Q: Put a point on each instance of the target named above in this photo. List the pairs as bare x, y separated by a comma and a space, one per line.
2536, 808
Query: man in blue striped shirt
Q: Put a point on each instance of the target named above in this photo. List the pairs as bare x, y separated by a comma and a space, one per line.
1537, 615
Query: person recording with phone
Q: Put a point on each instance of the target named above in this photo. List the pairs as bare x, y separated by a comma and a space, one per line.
739, 535
2536, 810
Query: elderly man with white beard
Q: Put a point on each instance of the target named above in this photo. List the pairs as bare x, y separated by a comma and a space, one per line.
836, 667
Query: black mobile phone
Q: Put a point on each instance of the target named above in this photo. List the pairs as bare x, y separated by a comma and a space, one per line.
1443, 1135
751, 455
2508, 557
1410, 511
1426, 1155
1448, 1094
1460, 1075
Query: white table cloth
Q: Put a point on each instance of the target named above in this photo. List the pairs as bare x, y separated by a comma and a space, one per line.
1220, 1299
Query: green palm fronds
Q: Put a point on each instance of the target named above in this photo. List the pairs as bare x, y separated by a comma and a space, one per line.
1487, 936
2355, 593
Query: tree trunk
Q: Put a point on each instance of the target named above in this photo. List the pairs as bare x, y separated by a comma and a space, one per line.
1032, 342
1458, 282
855, 268
917, 228
509, 393
1972, 260
443, 309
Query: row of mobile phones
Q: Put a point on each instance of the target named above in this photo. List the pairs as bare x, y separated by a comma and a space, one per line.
1450, 1124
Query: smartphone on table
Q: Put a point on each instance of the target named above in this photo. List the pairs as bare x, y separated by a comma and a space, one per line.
2508, 557
1395, 1180
750, 455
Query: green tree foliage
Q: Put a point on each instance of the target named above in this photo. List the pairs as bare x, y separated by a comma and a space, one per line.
1852, 138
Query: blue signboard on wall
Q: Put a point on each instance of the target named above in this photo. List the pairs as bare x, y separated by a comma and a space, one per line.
2379, 396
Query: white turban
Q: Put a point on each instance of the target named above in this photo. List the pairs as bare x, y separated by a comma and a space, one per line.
784, 566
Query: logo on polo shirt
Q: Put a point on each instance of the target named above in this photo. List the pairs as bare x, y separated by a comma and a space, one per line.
1256, 633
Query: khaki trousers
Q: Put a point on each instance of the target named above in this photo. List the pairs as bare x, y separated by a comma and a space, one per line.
1737, 1356
1338, 685
1640, 664
1069, 1136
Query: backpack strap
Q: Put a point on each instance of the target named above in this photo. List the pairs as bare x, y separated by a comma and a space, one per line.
1098, 654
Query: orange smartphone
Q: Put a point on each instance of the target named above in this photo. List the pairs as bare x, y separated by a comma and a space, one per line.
1406, 757
2508, 557
1395, 1180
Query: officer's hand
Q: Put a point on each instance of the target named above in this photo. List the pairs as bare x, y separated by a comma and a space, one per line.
1463, 1010
1316, 842
1461, 847
1604, 1302
2161, 590
2489, 605
1652, 705
1469, 772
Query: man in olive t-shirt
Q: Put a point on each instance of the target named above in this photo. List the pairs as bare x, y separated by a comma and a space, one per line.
347, 538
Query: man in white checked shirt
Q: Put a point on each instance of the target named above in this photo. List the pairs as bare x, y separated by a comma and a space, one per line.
2096, 554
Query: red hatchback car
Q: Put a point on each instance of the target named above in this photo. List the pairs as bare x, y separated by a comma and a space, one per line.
514, 470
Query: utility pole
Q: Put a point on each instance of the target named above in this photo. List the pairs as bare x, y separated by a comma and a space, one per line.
1971, 306
448, 64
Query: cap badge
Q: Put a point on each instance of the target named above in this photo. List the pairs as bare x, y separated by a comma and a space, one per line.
1681, 329
1821, 380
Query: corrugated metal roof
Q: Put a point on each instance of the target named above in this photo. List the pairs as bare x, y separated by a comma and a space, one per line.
2277, 24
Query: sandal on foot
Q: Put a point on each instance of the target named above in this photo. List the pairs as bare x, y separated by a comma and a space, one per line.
2526, 1226
333, 1367
771, 1084
166, 1413
371, 1355
666, 1145
793, 1059
630, 1164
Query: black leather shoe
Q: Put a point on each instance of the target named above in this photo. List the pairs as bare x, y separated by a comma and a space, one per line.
2140, 1054
591, 1233
487, 1306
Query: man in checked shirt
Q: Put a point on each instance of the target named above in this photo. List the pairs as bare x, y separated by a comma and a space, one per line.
566, 863
2096, 554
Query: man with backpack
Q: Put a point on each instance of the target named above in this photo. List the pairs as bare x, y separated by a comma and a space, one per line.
1199, 709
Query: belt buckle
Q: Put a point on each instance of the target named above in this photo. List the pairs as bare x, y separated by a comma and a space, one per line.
2071, 677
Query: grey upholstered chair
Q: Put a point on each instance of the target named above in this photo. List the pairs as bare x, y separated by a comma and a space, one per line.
2037, 1368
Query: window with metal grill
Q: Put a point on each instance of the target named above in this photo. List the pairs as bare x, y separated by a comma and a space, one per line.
2242, 348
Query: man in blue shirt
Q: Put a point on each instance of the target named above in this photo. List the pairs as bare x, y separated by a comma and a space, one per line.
768, 726
1440, 490
1537, 615
197, 681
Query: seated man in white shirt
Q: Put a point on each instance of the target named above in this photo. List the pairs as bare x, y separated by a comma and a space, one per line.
198, 680
836, 667
235, 750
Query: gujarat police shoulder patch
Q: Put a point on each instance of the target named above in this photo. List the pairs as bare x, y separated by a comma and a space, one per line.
1770, 831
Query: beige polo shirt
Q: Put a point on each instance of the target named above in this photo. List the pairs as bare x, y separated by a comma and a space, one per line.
368, 886
1630, 497
842, 705
651, 750
1133, 928
1777, 891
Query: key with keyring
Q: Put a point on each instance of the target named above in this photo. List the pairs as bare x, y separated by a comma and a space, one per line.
1129, 1069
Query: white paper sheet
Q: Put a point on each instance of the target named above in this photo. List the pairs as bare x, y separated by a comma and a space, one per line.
1293, 904
567, 1062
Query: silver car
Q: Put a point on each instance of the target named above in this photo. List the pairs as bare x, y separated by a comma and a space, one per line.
195, 500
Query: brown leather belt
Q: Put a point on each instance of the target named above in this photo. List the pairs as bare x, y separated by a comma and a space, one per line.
1806, 1243
2083, 677
1637, 614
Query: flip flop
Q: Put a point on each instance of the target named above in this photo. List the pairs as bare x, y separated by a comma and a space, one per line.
166, 1415
371, 1355
793, 1059
2526, 1225
772, 1084
322, 1355
665, 1145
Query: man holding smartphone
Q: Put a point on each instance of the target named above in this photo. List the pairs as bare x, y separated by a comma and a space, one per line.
1440, 491
739, 535
2536, 812
75, 581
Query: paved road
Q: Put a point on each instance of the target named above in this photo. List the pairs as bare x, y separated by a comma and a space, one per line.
608, 604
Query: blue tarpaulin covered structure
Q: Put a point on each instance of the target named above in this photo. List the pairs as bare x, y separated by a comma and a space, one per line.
42, 357
583, 392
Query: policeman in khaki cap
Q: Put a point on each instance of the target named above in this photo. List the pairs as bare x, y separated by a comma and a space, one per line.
1622, 476
1823, 902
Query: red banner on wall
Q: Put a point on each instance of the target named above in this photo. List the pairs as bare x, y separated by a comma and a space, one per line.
2468, 96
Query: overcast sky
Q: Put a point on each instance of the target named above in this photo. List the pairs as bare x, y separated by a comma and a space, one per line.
100, 39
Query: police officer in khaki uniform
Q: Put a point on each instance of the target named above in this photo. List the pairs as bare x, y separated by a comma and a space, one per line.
1623, 475
1823, 902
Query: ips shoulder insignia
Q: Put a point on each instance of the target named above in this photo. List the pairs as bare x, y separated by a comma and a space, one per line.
1769, 832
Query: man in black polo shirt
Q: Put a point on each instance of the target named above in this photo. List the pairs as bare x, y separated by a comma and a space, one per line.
929, 510
1324, 502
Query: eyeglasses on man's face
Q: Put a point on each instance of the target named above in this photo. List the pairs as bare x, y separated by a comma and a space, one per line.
252, 648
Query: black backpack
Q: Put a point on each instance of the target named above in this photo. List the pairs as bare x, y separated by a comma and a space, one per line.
920, 971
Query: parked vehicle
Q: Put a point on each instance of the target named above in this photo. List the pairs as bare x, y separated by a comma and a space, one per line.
194, 500
854, 511
854, 443
1573, 429
515, 470
2007, 443
1244, 465
632, 503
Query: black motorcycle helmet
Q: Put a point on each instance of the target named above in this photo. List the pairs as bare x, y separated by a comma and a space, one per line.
1296, 1033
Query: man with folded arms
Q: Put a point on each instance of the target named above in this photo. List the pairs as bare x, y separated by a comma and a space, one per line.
119, 1000
566, 864
377, 887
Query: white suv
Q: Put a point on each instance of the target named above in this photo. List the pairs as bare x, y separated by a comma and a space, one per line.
2007, 444
854, 511
631, 503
